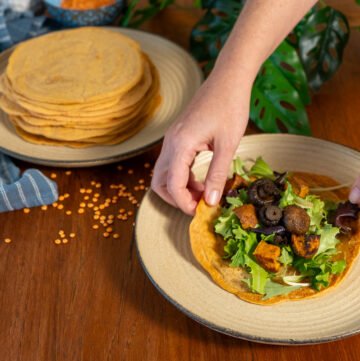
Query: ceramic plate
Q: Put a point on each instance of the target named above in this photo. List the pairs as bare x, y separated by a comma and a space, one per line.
165, 253
180, 77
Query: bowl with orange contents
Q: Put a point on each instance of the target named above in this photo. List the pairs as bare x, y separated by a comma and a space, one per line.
72, 13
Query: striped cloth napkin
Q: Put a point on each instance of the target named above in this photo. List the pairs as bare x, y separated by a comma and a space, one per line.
16, 26
30, 189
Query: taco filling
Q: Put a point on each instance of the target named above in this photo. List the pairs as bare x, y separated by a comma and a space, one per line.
273, 238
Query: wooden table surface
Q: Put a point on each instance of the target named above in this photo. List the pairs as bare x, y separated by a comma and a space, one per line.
89, 299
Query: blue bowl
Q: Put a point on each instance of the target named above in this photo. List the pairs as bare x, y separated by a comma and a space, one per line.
104, 15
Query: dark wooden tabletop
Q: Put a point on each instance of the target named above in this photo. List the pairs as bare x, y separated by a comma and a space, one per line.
88, 298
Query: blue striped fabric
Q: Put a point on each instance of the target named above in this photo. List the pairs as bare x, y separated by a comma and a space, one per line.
30, 189
5, 39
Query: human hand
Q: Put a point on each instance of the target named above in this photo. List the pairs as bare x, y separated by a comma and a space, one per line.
354, 196
215, 120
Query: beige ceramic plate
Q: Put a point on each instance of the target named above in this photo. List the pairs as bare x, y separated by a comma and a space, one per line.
180, 77
164, 249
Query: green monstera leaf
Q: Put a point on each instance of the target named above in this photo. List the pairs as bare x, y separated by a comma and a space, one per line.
276, 105
282, 77
211, 32
321, 44
287, 60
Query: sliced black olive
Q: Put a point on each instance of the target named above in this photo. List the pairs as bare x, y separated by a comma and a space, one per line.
269, 230
263, 191
270, 215
296, 220
280, 179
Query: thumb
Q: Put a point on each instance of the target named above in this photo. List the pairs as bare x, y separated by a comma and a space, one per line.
217, 174
354, 196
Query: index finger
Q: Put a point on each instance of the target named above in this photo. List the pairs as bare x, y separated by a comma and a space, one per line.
177, 182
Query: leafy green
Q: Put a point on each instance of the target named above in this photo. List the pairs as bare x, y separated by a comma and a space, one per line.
273, 289
328, 238
259, 276
313, 205
338, 267
238, 166
261, 169
234, 201
288, 197
286, 256
224, 224
321, 44
319, 268
317, 212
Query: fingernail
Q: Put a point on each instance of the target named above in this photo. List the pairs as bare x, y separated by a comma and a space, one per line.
354, 196
213, 198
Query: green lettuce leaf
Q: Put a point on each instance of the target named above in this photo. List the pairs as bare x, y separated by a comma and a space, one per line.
286, 256
261, 169
273, 289
234, 201
259, 276
238, 167
319, 268
328, 238
224, 224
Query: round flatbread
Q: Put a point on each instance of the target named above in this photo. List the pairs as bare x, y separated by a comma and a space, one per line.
208, 248
75, 66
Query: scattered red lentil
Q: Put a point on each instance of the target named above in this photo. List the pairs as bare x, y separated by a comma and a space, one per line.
68, 172
57, 241
81, 210
95, 226
65, 240
60, 206
7, 240
53, 175
106, 234
26, 210
68, 213
72, 235
44, 208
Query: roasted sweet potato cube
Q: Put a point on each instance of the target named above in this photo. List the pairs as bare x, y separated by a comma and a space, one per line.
305, 246
247, 216
267, 255
234, 183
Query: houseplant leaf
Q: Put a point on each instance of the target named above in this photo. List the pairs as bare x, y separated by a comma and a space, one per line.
275, 104
211, 32
286, 58
321, 44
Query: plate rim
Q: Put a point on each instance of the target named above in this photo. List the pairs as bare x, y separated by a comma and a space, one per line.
231, 332
113, 158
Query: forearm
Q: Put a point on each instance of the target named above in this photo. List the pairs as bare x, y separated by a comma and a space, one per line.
260, 28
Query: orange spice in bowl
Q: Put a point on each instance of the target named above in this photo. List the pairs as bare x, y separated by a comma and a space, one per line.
85, 4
